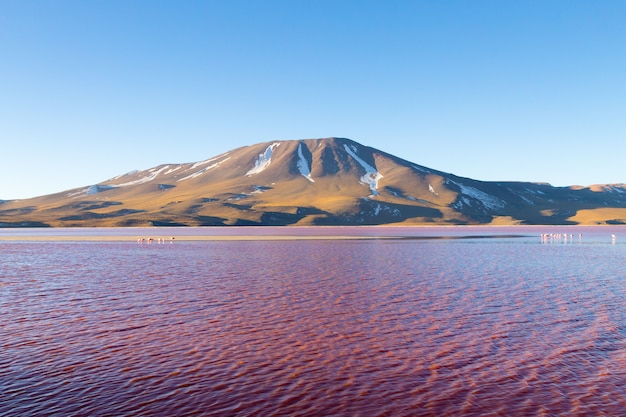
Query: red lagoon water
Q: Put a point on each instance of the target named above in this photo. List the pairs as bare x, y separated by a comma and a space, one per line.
451, 327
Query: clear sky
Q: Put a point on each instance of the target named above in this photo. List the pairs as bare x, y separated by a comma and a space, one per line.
491, 90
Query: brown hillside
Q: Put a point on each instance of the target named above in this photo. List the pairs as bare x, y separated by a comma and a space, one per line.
313, 182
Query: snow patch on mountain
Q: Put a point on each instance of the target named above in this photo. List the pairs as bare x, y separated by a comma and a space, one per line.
133, 172
613, 188
237, 197
371, 176
303, 165
487, 200
92, 189
206, 161
153, 174
95, 189
194, 175
264, 160
374, 209
74, 194
432, 190
258, 189
203, 170
526, 200
169, 171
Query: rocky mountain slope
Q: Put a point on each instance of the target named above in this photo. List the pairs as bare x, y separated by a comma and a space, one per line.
330, 181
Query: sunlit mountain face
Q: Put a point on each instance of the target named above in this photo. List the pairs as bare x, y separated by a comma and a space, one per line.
330, 181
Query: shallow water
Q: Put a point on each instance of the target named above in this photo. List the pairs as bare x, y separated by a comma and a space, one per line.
484, 322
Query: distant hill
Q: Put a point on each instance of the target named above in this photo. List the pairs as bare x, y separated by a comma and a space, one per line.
330, 181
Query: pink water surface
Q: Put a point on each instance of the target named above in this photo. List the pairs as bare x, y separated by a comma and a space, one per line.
382, 327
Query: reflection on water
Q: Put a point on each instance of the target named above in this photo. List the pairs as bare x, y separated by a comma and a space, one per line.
500, 326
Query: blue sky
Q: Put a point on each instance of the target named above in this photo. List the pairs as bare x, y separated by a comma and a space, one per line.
491, 90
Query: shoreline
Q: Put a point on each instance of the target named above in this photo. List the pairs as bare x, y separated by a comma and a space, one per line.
289, 233
190, 238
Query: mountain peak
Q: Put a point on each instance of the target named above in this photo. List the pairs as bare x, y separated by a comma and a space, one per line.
312, 182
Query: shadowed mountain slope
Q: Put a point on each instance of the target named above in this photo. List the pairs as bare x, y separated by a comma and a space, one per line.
330, 181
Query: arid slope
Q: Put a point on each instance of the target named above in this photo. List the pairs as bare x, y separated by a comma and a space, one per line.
330, 181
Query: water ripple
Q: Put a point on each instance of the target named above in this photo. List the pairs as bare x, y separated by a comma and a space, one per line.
358, 328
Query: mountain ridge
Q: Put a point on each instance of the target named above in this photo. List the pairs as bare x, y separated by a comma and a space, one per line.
326, 181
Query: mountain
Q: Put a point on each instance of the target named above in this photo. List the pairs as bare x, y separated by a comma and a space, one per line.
332, 181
